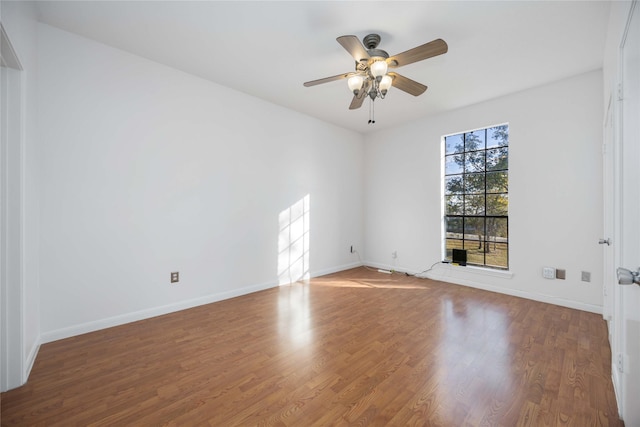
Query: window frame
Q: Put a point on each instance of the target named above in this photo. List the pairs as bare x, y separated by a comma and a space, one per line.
468, 181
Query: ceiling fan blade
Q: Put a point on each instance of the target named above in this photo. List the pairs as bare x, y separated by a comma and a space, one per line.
427, 50
412, 87
355, 48
327, 79
357, 102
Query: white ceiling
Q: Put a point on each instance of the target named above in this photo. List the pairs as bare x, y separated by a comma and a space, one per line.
269, 48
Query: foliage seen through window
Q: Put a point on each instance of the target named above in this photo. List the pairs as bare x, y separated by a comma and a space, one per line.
477, 196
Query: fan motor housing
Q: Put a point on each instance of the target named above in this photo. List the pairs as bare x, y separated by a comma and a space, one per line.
377, 54
371, 41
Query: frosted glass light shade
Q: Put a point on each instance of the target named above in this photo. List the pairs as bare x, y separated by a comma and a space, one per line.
355, 83
385, 83
378, 69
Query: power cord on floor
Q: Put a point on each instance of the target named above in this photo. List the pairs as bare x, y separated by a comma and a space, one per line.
355, 251
419, 275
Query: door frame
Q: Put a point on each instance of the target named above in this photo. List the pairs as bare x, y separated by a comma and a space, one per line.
12, 369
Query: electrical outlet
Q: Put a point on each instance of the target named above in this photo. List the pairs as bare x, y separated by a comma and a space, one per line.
549, 272
561, 274
175, 277
394, 254
586, 276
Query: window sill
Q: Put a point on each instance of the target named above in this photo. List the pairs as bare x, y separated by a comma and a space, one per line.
480, 271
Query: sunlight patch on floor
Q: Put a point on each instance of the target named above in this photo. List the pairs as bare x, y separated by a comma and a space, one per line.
366, 283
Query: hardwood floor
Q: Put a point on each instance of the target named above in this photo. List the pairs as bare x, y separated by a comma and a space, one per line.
353, 348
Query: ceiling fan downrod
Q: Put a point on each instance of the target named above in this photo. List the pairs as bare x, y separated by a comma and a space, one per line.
372, 112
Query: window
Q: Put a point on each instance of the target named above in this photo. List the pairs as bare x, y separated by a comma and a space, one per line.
476, 196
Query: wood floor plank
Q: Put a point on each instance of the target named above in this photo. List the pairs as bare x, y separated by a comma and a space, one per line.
353, 348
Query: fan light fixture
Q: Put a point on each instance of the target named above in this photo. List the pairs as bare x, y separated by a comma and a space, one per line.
374, 78
355, 83
378, 69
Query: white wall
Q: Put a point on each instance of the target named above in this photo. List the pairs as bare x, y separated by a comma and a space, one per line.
19, 21
147, 170
555, 192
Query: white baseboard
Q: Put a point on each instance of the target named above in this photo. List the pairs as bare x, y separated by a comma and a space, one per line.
109, 322
615, 379
31, 358
444, 275
332, 270
550, 299
386, 267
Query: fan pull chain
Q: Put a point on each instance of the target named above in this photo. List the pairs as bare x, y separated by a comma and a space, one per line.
372, 112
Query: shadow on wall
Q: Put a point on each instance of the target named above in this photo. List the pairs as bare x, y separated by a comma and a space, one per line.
293, 242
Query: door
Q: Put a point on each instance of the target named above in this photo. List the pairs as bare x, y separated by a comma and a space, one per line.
628, 300
11, 342
609, 241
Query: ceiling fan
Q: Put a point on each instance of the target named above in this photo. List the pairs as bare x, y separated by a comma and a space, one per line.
371, 77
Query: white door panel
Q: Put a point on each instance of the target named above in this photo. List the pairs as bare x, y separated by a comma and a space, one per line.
629, 357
